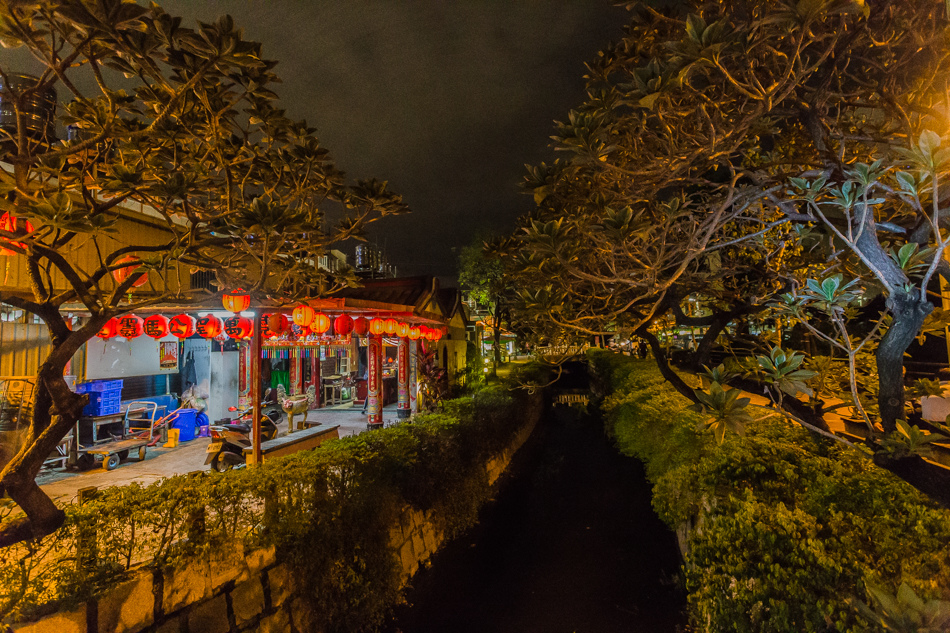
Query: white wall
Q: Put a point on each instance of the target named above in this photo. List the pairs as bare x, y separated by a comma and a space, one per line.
200, 349
119, 357
223, 391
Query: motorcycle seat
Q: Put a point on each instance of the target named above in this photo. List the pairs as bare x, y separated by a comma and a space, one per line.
237, 426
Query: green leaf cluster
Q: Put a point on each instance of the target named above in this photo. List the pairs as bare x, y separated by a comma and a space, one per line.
328, 512
782, 369
781, 533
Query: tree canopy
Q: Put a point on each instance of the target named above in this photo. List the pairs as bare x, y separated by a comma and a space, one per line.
761, 160
183, 122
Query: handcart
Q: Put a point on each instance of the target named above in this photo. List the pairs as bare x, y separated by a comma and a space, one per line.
138, 426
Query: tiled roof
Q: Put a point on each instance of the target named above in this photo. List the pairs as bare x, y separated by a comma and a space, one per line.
404, 291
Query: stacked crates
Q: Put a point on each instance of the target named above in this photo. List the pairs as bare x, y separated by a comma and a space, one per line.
105, 397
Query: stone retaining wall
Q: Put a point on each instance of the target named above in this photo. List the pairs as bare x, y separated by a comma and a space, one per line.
243, 593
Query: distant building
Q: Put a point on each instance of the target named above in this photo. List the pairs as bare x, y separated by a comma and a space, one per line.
371, 263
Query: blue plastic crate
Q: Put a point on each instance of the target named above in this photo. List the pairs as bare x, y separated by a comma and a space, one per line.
99, 385
103, 403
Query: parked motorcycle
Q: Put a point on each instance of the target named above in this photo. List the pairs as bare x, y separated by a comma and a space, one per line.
229, 440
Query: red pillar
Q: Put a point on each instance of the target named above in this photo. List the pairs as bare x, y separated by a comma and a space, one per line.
402, 408
315, 377
256, 389
374, 382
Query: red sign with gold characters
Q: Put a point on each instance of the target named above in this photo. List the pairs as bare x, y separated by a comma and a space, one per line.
372, 360
403, 364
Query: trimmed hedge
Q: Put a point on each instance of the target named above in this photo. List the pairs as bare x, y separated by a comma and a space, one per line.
328, 512
781, 528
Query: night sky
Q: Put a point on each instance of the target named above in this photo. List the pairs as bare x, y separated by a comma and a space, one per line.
445, 100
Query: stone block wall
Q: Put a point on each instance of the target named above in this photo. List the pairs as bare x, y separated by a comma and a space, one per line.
245, 592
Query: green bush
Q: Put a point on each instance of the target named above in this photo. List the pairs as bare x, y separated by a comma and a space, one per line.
784, 528
328, 512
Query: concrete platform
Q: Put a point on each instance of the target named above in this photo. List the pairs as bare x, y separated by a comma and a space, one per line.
63, 486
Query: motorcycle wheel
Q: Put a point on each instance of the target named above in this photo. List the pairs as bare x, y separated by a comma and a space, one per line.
225, 461
268, 432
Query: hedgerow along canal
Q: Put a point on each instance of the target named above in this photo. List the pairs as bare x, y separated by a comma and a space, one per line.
570, 544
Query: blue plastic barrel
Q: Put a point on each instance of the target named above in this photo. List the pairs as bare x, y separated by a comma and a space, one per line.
185, 423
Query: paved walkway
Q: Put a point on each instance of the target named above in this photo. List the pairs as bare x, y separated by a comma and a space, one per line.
63, 486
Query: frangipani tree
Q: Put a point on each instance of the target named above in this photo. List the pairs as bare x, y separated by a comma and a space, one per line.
735, 155
184, 122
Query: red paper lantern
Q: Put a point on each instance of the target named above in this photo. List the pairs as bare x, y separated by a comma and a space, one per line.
343, 325
361, 326
10, 223
402, 330
156, 326
209, 326
120, 274
236, 301
376, 326
320, 323
130, 326
238, 327
414, 333
110, 329
273, 325
182, 326
390, 326
303, 315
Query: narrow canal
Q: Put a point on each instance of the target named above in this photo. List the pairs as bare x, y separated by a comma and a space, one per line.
570, 544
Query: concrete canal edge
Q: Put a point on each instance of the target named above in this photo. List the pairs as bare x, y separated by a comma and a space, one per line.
248, 592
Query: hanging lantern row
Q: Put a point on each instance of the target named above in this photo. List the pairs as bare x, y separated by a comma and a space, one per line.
182, 326
273, 325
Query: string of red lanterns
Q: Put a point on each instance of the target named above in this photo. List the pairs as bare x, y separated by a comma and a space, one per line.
273, 325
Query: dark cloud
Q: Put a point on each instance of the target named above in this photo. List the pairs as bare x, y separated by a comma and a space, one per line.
445, 100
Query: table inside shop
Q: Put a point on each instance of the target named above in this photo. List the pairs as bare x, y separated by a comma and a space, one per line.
332, 390
390, 389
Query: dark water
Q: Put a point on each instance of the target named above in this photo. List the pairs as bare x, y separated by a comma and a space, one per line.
571, 544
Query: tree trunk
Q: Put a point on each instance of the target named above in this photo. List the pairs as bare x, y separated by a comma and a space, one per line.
909, 312
703, 352
496, 336
55, 411
665, 370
